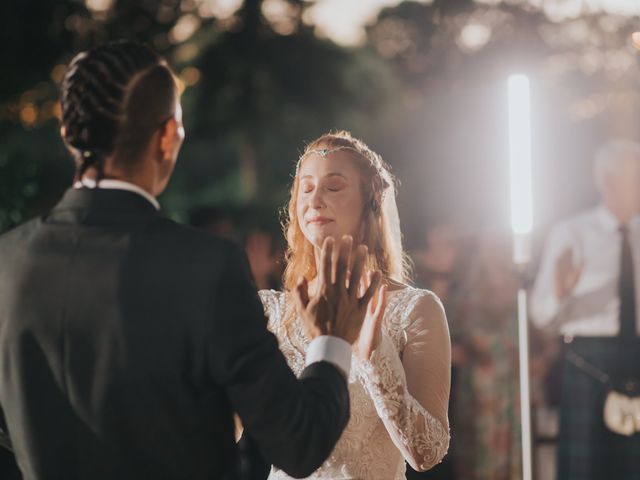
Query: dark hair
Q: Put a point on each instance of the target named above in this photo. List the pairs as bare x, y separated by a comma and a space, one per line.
114, 98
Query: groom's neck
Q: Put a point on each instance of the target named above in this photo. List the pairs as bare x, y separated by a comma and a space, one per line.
141, 177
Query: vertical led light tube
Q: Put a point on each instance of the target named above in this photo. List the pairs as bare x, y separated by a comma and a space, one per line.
522, 225
520, 166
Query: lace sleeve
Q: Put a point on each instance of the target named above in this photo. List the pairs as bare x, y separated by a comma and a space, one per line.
272, 303
411, 395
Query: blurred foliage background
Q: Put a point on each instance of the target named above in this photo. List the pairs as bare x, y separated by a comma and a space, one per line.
425, 86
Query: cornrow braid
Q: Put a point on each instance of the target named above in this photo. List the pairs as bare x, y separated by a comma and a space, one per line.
104, 92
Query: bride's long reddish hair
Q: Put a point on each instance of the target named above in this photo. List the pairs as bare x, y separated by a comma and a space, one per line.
375, 227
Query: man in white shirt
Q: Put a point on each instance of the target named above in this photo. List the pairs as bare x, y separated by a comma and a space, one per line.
586, 292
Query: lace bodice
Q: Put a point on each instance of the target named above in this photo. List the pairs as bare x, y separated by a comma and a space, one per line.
398, 398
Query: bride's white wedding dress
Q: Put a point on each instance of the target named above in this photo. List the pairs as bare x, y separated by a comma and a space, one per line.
391, 395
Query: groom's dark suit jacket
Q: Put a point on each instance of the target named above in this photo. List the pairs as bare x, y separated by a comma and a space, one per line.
127, 341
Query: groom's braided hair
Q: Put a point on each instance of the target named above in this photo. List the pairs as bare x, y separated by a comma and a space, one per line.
114, 97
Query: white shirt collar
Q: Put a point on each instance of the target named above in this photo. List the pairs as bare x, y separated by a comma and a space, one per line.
610, 221
109, 184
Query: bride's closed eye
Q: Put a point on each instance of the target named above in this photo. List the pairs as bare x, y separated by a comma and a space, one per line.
335, 185
307, 187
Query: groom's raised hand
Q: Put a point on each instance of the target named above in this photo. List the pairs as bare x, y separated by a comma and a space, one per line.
335, 308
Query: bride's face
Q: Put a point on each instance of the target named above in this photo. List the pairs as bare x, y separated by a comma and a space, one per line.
329, 201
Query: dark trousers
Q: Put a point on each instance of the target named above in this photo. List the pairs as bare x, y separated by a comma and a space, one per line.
586, 448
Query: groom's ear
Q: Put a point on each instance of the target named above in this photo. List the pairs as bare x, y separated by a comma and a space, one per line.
171, 136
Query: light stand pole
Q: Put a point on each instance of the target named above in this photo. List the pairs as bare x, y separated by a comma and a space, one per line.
521, 225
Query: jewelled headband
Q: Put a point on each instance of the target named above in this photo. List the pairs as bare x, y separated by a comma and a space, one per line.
324, 153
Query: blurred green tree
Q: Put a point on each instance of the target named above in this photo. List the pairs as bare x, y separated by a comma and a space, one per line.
257, 84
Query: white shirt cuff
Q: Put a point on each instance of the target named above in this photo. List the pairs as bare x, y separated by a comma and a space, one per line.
330, 349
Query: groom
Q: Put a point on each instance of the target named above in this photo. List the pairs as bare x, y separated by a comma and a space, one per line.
126, 340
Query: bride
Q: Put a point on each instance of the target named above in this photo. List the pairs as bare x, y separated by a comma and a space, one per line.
400, 376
